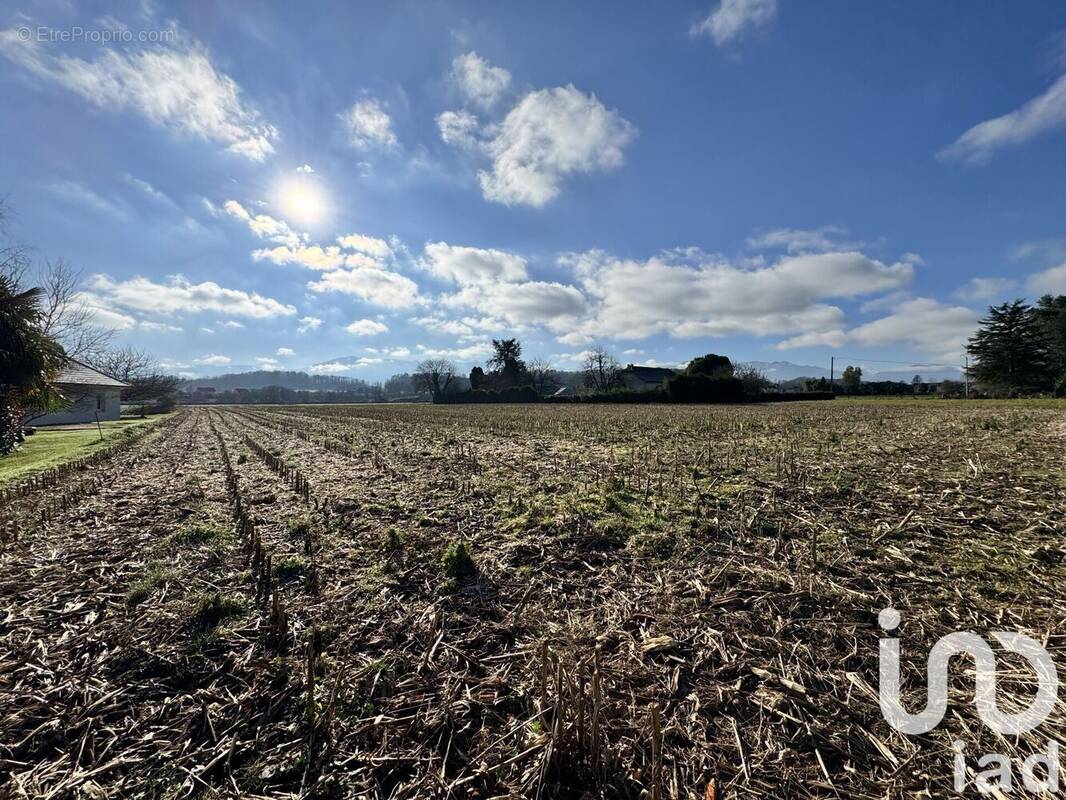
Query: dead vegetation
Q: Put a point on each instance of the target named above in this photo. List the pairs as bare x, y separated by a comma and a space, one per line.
411, 602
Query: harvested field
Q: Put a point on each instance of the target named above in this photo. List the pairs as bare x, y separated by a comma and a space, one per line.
523, 601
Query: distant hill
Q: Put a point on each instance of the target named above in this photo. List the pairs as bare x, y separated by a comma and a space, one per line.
261, 378
787, 371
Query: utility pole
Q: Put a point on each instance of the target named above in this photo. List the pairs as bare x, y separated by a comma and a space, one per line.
832, 367
966, 379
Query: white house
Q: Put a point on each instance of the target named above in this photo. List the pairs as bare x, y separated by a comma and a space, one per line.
91, 395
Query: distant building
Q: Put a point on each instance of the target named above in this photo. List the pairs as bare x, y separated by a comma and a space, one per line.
643, 379
91, 395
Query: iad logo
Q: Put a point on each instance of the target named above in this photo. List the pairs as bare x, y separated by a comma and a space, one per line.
984, 698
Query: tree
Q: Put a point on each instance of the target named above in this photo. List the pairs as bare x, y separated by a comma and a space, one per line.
477, 378
753, 380
29, 361
435, 376
542, 374
1009, 350
711, 365
507, 362
851, 379
601, 369
63, 314
1050, 312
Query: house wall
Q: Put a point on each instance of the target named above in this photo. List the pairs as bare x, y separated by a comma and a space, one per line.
89, 403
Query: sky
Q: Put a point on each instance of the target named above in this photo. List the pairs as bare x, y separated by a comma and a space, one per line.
351, 188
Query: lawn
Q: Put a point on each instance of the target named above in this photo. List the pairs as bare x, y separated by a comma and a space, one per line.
50, 447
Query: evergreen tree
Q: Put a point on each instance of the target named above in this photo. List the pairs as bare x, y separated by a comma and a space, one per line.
1009, 350
507, 363
1050, 314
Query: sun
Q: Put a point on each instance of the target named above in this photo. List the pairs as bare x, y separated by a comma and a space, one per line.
303, 201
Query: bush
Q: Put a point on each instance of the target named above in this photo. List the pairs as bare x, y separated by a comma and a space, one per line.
686, 388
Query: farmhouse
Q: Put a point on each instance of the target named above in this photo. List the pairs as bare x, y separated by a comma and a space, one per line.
643, 379
91, 395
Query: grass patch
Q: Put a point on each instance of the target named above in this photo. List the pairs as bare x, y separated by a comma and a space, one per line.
51, 447
196, 533
457, 563
289, 568
211, 609
140, 589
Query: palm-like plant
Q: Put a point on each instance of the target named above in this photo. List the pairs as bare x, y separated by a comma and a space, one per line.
29, 361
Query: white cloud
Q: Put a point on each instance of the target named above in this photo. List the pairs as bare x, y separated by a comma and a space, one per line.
312, 256
1049, 281
369, 125
458, 128
550, 135
374, 285
336, 367
179, 295
330, 368
230, 323
732, 18
306, 169
213, 360
308, 324
365, 244
264, 226
467, 265
792, 240
691, 294
555, 305
834, 338
366, 327
1045, 250
1039, 115
470, 352
84, 196
984, 288
267, 363
177, 87
159, 327
148, 189
481, 83
923, 323
285, 352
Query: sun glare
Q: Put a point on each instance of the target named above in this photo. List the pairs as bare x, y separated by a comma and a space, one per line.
303, 201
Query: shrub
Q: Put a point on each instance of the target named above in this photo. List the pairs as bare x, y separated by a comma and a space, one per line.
687, 388
457, 563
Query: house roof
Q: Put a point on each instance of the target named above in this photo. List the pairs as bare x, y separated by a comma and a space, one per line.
649, 374
77, 374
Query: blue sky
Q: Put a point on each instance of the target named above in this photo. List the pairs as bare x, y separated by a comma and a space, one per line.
354, 187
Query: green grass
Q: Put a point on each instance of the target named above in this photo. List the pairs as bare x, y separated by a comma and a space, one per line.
50, 447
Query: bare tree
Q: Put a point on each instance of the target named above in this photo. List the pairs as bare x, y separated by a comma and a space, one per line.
434, 375
602, 371
65, 316
543, 374
125, 364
